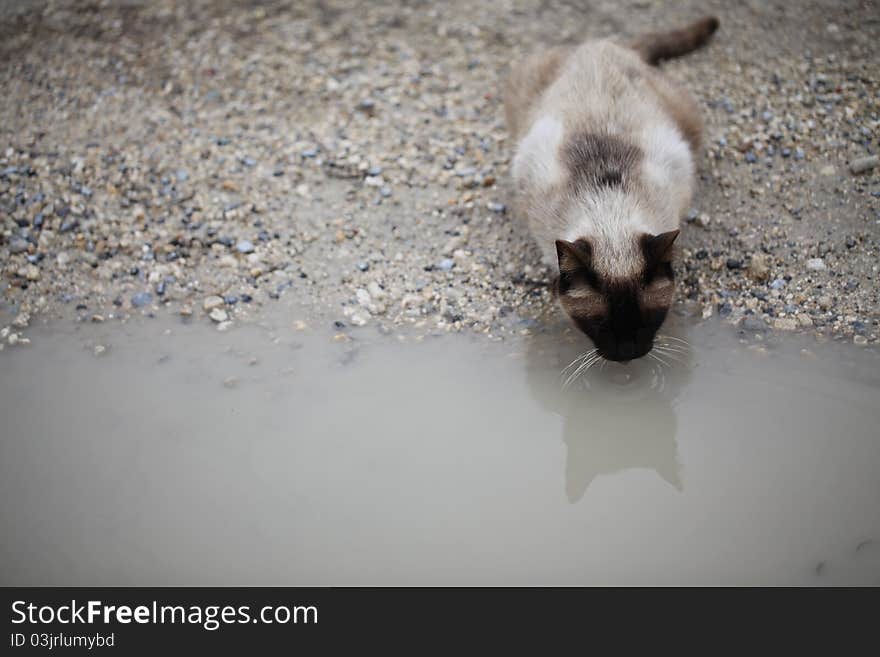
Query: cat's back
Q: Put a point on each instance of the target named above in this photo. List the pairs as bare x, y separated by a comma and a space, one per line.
603, 87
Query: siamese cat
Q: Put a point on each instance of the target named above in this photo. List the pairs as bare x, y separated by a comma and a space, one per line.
604, 170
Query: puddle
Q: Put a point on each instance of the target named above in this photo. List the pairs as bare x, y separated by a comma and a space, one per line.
276, 457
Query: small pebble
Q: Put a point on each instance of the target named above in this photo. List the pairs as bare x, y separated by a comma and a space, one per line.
212, 302
18, 245
141, 299
245, 246
864, 164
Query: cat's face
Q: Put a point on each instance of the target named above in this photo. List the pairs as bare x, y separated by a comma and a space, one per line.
620, 315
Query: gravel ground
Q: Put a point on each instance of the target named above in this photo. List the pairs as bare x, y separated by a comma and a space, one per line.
208, 158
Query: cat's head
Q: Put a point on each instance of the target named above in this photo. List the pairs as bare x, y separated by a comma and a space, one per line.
620, 313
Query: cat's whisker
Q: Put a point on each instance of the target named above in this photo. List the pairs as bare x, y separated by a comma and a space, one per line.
672, 355
577, 361
595, 360
660, 349
660, 360
676, 339
580, 370
574, 375
672, 349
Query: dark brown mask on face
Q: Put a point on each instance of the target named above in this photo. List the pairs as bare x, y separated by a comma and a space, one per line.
621, 316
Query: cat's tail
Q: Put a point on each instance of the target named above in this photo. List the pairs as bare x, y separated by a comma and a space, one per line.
657, 46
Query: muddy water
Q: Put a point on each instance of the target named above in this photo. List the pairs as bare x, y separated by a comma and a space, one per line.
268, 456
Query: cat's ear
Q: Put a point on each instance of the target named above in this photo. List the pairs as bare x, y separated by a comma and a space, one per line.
658, 248
573, 255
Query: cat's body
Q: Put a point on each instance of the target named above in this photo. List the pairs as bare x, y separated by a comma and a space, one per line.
604, 170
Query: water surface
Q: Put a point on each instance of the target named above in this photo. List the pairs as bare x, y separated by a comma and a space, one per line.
272, 456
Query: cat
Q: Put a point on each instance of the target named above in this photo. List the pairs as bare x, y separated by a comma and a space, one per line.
604, 169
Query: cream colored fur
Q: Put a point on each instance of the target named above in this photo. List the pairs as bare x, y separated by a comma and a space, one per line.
600, 88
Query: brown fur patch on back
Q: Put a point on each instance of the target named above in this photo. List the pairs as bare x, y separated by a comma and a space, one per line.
595, 161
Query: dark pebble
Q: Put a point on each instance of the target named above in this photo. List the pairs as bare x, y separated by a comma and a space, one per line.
141, 299
338, 325
751, 158
160, 288
733, 263
231, 299
363, 266
18, 245
246, 298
